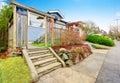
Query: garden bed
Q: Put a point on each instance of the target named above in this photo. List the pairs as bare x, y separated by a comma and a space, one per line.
68, 47
72, 54
4, 55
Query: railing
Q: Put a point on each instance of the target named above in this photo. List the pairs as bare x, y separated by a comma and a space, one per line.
33, 71
63, 63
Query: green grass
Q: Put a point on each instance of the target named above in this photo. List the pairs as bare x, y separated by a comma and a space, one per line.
43, 44
14, 70
97, 47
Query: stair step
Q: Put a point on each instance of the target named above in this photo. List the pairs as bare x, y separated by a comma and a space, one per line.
37, 49
48, 71
44, 61
45, 64
35, 52
40, 56
38, 59
49, 67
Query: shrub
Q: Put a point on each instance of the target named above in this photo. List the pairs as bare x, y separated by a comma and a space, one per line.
100, 40
74, 54
72, 37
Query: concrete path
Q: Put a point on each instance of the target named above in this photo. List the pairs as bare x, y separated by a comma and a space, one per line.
84, 72
110, 72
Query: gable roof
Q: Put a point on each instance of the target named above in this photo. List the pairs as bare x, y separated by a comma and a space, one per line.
56, 13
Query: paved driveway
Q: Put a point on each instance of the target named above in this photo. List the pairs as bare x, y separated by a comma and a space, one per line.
110, 72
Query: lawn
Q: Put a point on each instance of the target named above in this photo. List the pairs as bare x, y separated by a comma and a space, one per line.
43, 44
14, 70
98, 46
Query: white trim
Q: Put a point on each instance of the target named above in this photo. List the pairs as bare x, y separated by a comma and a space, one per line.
53, 11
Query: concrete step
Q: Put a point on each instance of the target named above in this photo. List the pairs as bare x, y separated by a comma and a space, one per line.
38, 63
36, 52
44, 70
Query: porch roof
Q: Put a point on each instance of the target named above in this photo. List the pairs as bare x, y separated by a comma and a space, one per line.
31, 9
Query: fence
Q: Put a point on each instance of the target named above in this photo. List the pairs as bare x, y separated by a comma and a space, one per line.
59, 36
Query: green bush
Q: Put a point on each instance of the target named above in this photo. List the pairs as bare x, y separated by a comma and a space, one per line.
100, 40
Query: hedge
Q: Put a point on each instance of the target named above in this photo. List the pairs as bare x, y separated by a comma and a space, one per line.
100, 40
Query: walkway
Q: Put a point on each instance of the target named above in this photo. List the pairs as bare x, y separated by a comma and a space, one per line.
110, 72
84, 72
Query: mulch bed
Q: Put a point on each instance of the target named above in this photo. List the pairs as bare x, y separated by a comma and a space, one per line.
68, 47
4, 55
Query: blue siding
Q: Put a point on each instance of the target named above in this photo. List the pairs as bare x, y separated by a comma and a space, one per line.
34, 33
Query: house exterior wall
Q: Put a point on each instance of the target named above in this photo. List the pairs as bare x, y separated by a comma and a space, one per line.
34, 30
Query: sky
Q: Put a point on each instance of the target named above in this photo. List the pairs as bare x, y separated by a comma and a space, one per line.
2, 3
102, 12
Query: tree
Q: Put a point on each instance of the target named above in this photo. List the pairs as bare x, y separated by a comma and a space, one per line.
90, 28
5, 18
114, 32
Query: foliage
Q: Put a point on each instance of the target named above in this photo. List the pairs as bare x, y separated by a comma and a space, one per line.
100, 40
74, 55
90, 27
71, 37
80, 53
14, 70
5, 18
114, 32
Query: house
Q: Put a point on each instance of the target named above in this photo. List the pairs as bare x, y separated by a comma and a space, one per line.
31, 25
77, 26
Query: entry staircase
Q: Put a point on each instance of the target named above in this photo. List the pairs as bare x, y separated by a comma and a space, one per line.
42, 61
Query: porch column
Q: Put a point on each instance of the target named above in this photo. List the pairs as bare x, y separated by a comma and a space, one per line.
52, 26
27, 23
45, 26
14, 27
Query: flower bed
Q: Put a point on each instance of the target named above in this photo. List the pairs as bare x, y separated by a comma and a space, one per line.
72, 54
